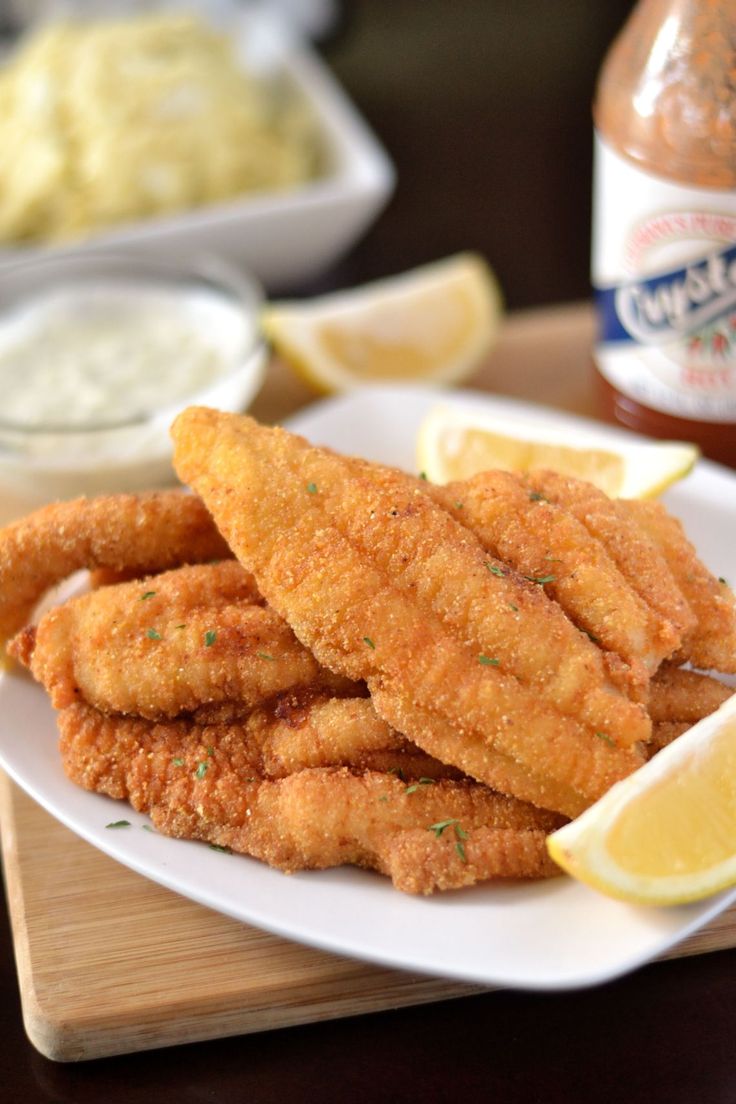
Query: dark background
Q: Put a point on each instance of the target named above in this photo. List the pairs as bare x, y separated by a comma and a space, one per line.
485, 108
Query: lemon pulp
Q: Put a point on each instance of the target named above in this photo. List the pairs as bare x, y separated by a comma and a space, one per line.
456, 442
434, 323
661, 832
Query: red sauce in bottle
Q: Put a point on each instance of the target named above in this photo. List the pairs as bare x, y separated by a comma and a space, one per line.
664, 235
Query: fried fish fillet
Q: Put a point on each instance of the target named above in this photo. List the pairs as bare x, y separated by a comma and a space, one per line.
146, 532
711, 643
547, 544
299, 730
201, 783
639, 558
182, 642
678, 699
677, 694
382, 584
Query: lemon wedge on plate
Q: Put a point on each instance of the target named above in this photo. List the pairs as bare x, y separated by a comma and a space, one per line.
456, 442
431, 324
667, 833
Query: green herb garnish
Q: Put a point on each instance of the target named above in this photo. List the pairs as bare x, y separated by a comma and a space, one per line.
152, 634
540, 580
209, 638
265, 655
218, 847
178, 762
419, 782
367, 640
423, 475
148, 594
513, 607
496, 570
488, 661
201, 770
460, 833
535, 496
606, 737
118, 824
311, 488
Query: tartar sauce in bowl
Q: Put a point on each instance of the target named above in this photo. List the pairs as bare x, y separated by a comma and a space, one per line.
97, 355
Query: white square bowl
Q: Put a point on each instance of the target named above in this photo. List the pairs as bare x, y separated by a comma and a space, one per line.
281, 237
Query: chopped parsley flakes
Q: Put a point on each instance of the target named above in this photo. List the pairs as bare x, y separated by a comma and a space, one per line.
496, 570
420, 782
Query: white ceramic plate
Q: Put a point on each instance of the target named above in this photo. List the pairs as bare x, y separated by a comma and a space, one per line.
550, 935
281, 237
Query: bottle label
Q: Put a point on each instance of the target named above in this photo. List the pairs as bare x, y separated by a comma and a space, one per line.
664, 273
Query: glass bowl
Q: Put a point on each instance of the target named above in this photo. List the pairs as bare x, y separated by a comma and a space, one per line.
97, 356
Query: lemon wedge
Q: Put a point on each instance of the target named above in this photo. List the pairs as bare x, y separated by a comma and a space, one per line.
456, 442
431, 324
667, 834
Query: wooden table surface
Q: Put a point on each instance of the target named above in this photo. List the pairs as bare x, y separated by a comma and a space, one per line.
485, 108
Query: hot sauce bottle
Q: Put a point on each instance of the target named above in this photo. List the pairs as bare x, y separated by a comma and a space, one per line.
664, 225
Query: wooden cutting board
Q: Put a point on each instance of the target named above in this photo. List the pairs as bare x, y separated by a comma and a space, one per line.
110, 963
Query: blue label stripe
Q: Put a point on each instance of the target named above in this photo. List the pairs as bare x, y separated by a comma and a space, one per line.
610, 327
670, 305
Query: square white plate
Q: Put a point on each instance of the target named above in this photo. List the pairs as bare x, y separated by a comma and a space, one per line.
547, 935
281, 237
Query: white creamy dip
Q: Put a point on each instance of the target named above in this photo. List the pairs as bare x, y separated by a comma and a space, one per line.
98, 356
92, 375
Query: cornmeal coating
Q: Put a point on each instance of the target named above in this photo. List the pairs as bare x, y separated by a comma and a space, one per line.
663, 733
678, 694
308, 729
384, 585
200, 783
711, 643
185, 641
639, 558
544, 542
146, 533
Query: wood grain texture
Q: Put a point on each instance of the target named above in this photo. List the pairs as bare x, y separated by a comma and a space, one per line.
111, 963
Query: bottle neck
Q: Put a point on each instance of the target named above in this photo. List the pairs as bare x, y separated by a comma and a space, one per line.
664, 99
